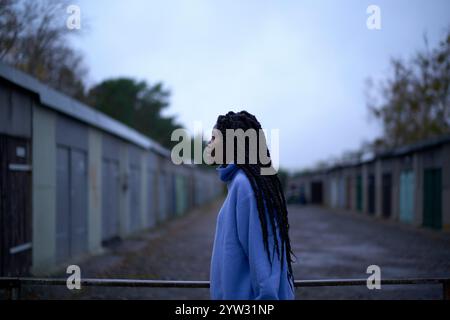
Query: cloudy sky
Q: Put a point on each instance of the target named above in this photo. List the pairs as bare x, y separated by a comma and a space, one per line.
299, 66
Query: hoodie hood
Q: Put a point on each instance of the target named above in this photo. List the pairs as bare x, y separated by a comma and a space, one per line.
226, 172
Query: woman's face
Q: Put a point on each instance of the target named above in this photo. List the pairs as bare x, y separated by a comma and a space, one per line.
213, 137
213, 144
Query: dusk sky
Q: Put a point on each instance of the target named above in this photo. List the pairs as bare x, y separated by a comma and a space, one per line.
299, 66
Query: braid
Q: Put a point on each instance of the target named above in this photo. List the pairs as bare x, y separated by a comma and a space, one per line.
267, 189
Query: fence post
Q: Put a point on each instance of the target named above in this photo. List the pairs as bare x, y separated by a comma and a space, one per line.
446, 289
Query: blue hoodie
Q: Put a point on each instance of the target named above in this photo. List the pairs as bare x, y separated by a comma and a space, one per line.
240, 268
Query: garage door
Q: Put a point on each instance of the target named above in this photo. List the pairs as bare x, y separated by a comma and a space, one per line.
15, 206
407, 185
71, 203
432, 198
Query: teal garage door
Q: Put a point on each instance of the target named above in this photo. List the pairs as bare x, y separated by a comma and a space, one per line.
407, 185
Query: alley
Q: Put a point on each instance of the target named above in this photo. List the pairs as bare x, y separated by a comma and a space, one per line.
328, 245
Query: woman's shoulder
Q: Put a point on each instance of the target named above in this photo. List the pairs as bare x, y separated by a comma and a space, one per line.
241, 184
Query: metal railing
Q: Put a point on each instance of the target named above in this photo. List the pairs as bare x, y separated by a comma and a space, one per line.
13, 285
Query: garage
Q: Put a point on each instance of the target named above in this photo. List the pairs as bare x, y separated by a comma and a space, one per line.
71, 189
432, 198
386, 192
407, 185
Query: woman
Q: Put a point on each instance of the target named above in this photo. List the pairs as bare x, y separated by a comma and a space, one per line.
248, 261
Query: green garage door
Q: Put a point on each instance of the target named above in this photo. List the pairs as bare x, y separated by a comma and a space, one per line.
432, 198
407, 184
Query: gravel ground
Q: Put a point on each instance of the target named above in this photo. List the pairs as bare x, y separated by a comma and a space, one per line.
335, 244
328, 244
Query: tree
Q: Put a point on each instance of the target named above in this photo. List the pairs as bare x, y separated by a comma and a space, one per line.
34, 38
415, 98
136, 104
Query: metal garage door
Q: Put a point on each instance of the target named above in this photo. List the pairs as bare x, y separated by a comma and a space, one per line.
359, 193
173, 195
371, 194
110, 199
386, 182
162, 196
334, 193
71, 203
341, 192
15, 206
349, 193
191, 186
181, 194
316, 192
432, 198
135, 198
151, 198
62, 204
79, 201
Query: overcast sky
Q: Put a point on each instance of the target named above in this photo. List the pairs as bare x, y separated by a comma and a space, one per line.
299, 66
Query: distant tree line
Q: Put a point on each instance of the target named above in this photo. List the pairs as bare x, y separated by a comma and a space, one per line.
34, 38
413, 102
137, 104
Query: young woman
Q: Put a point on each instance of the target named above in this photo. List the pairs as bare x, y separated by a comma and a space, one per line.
251, 256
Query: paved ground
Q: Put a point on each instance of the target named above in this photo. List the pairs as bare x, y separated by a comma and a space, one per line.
328, 244
342, 245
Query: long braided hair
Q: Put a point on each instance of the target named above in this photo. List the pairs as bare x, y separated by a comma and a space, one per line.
267, 188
